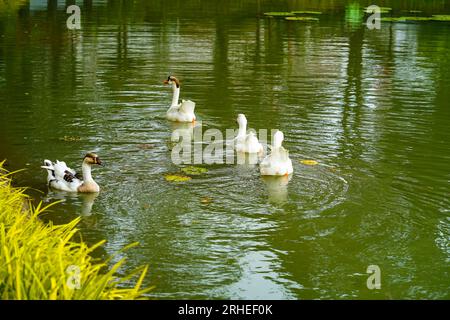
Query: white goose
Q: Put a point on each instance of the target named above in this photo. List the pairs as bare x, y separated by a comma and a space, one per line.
246, 143
278, 162
61, 177
180, 112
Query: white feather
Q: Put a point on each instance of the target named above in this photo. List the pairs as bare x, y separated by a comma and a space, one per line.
246, 143
278, 162
180, 112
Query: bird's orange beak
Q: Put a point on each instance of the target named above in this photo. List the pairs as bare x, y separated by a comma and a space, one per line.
166, 82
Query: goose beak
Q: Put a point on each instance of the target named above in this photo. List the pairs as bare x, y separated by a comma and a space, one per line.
99, 162
166, 82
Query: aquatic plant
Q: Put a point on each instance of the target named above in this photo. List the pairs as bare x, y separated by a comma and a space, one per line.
279, 14
306, 12
175, 177
440, 17
70, 139
405, 19
191, 170
40, 261
309, 162
382, 10
436, 18
302, 19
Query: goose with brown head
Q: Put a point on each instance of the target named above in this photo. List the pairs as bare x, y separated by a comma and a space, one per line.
179, 112
61, 177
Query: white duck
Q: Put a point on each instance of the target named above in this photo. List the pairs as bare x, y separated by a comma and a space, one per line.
180, 112
61, 177
278, 162
246, 143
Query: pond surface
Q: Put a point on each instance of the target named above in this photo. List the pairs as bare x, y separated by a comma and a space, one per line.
370, 106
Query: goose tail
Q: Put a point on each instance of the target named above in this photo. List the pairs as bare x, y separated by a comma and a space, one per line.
48, 165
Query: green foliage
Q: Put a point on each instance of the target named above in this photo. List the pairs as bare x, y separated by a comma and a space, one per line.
35, 257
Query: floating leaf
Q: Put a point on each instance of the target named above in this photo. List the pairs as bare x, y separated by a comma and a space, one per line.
413, 11
206, 200
302, 19
441, 17
309, 162
382, 10
70, 138
306, 12
279, 14
195, 171
407, 19
176, 178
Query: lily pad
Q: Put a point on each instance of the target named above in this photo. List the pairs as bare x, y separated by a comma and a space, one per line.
382, 10
206, 200
195, 171
70, 139
440, 17
173, 177
307, 12
279, 14
413, 11
302, 19
407, 19
309, 162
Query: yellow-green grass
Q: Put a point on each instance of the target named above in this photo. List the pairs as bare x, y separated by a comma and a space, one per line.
37, 260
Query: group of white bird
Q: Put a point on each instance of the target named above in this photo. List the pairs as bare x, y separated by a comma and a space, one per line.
277, 163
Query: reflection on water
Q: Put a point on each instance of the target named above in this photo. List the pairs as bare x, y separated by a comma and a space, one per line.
370, 106
83, 202
277, 188
88, 203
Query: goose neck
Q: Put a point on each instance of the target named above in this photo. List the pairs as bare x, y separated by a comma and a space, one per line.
242, 129
176, 94
87, 174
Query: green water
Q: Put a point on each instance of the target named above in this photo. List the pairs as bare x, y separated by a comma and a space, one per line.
372, 107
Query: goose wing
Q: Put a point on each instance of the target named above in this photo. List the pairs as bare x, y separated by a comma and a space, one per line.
63, 172
187, 106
